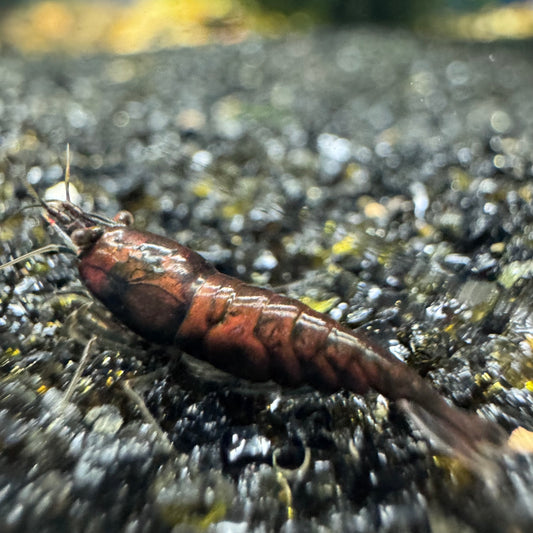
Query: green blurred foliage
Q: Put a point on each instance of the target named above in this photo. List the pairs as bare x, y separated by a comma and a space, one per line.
348, 11
471, 5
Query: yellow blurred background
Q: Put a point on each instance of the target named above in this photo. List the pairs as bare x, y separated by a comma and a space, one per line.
106, 26
129, 26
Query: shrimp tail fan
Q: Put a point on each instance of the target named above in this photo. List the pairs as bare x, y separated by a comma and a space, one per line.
476, 442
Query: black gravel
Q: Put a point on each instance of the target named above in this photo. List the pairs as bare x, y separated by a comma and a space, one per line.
386, 179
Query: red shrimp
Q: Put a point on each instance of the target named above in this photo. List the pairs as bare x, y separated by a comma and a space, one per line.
169, 294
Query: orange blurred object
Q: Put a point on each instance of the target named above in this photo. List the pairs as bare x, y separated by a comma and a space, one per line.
521, 440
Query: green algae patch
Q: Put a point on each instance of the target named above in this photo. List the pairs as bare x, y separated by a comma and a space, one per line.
349, 245
479, 297
190, 501
176, 515
321, 306
514, 271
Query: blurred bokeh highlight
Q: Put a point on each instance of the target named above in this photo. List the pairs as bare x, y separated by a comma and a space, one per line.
130, 26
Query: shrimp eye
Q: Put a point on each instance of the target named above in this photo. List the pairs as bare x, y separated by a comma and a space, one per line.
125, 218
84, 237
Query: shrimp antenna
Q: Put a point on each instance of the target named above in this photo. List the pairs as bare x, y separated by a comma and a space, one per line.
50, 220
67, 175
12, 212
81, 367
50, 248
35, 194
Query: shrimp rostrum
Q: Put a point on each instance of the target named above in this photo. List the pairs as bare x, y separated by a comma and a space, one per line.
169, 294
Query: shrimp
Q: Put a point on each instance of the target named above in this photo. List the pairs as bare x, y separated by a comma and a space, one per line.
169, 294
